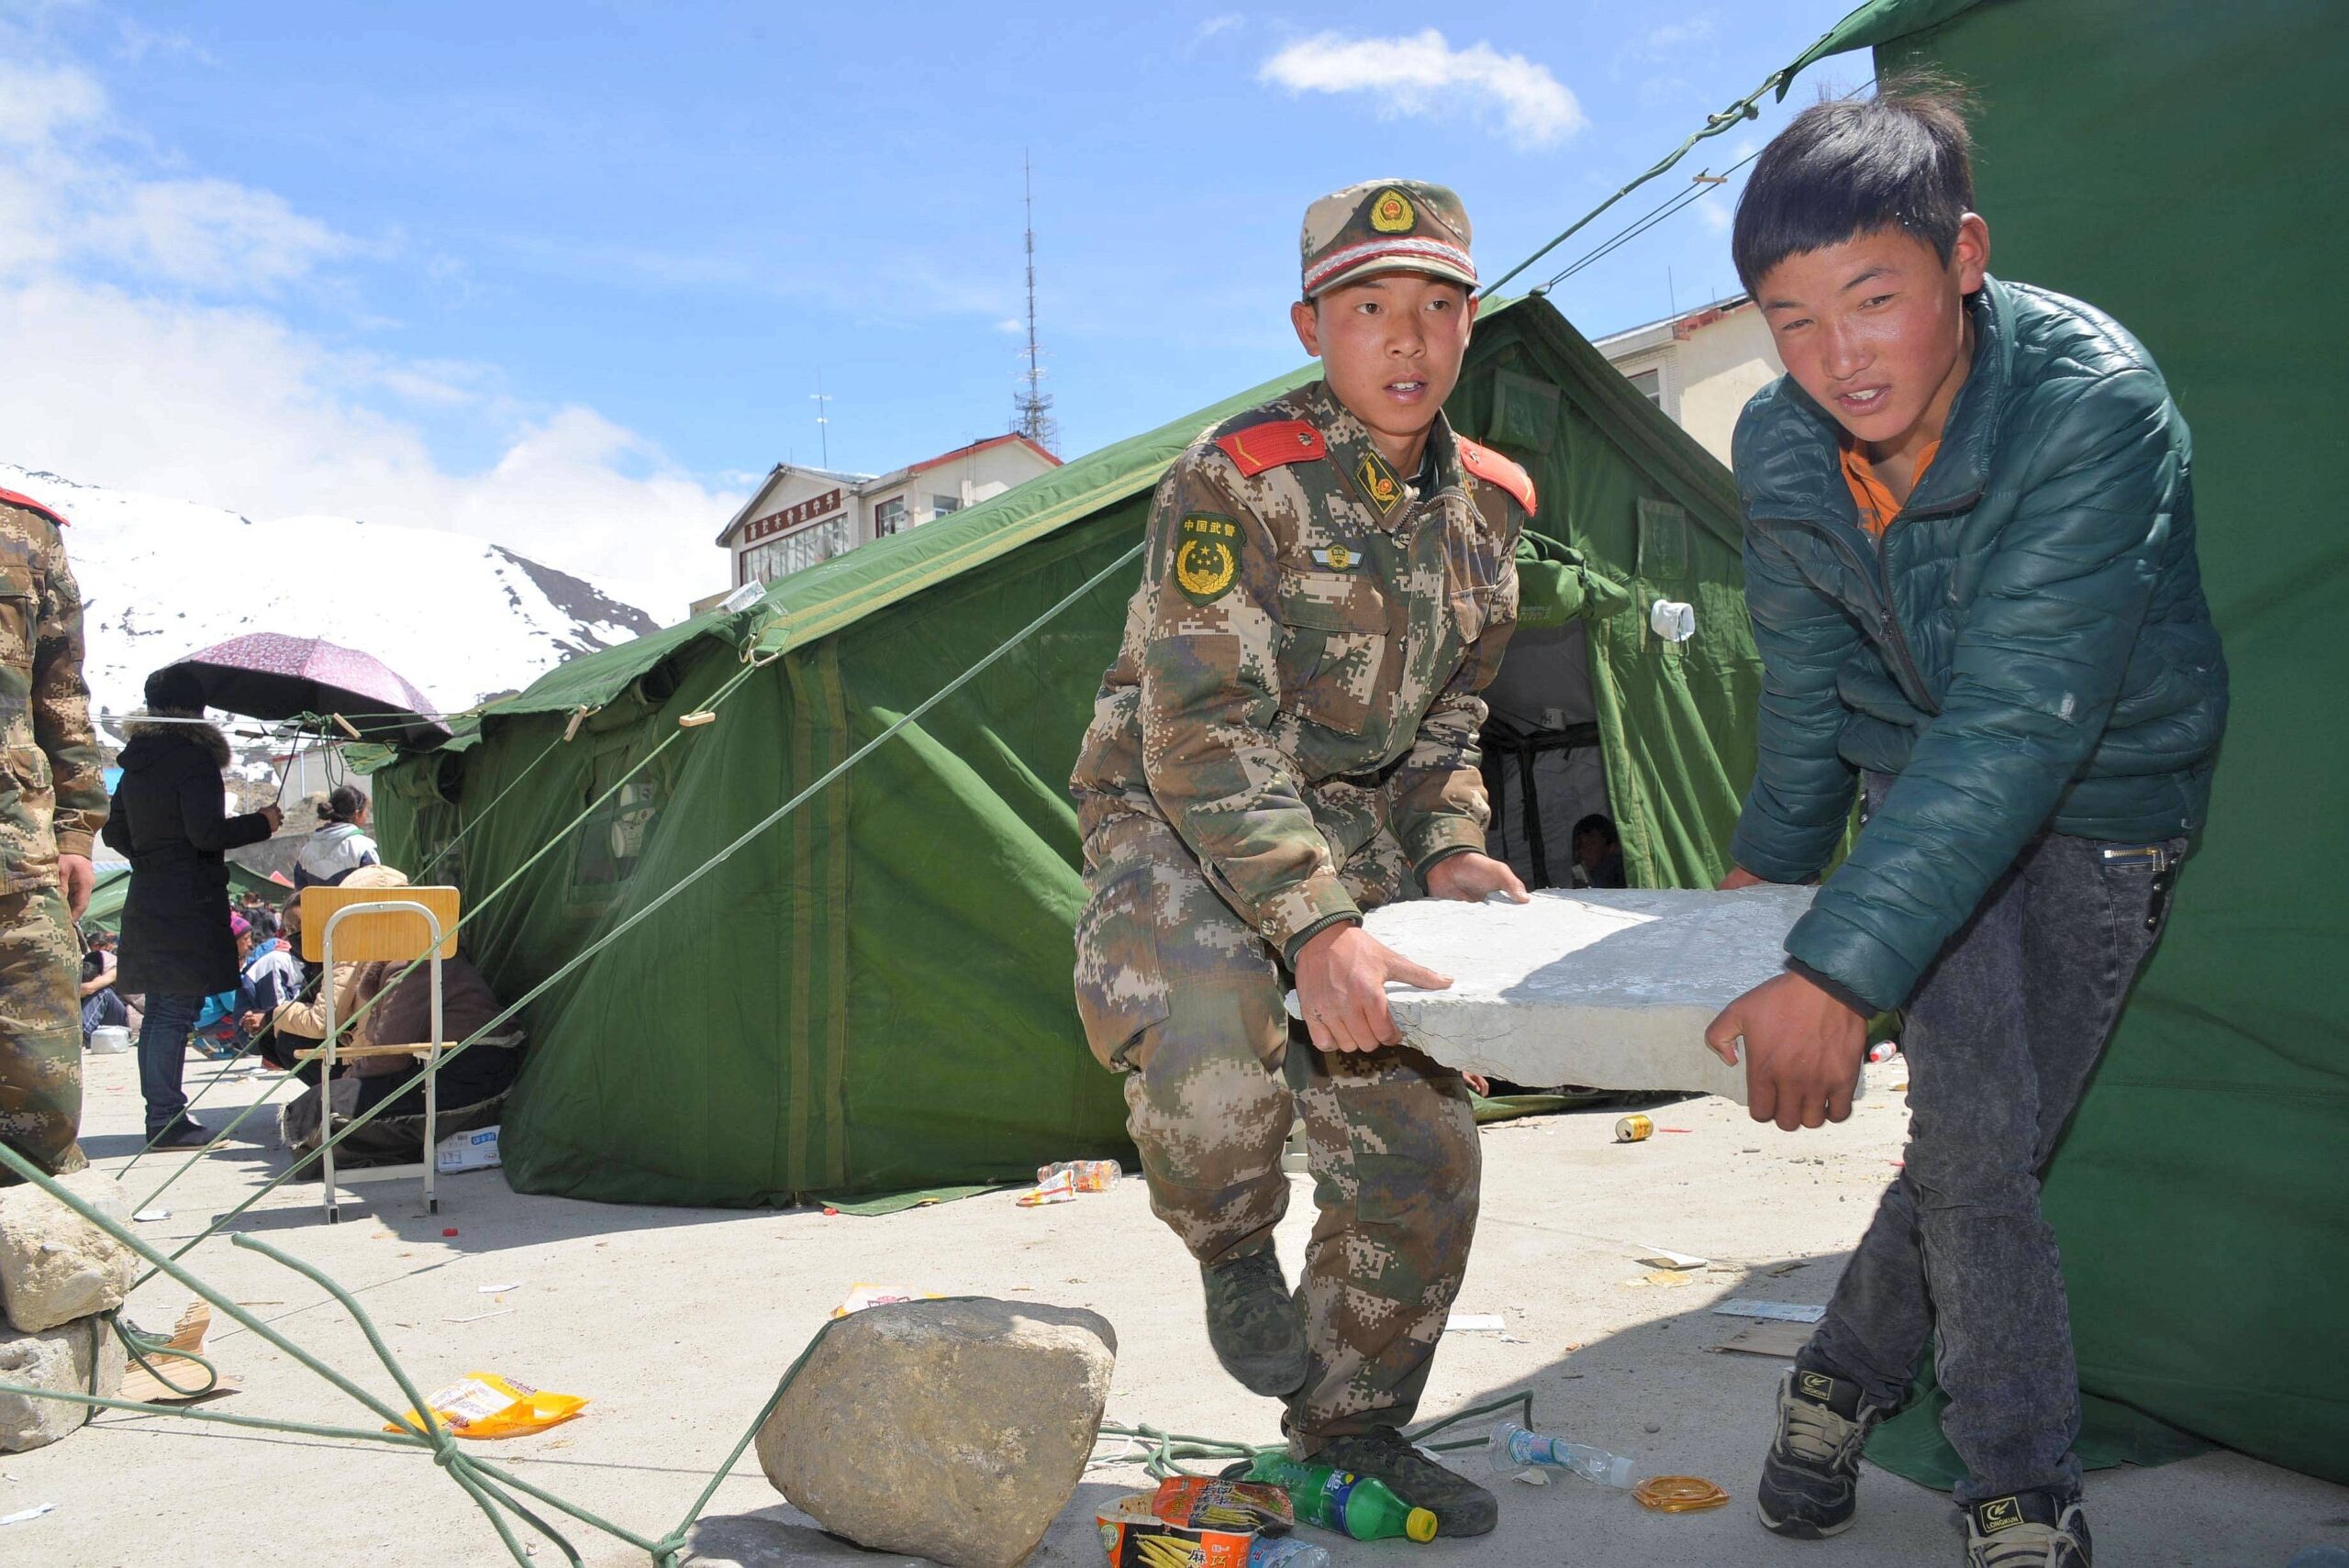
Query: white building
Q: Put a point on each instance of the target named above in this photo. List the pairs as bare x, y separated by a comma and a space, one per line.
801, 515
1700, 367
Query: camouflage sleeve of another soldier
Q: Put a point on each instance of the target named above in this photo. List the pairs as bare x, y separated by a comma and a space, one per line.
1209, 695
64, 817
1435, 798
61, 705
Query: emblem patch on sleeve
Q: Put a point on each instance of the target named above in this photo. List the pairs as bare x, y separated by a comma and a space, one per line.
1207, 557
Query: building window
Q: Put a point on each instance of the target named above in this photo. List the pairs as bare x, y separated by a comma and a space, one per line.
795, 552
890, 516
942, 504
1649, 383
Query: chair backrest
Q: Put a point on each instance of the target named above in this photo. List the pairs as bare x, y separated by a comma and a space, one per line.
387, 936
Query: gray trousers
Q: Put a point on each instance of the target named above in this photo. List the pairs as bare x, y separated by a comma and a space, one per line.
2000, 1039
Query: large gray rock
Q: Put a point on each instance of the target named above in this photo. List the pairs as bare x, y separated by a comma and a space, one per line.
1611, 990
59, 1359
56, 1266
955, 1431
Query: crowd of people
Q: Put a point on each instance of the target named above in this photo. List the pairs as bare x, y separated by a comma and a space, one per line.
189, 970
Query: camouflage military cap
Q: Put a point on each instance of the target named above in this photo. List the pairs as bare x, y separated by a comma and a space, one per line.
1385, 225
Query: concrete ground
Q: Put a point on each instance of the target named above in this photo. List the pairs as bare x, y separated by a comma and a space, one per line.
677, 1323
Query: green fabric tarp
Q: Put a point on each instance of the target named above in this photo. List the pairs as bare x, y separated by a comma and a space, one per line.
2172, 161
874, 996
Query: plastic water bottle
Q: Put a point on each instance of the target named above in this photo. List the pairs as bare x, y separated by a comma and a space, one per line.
1287, 1552
1514, 1448
1358, 1505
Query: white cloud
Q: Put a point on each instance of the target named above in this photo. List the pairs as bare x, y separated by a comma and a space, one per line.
1213, 25
1422, 75
1673, 40
148, 350
1715, 213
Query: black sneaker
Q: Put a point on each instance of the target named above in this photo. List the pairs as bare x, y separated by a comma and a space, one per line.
185, 1133
1810, 1480
2028, 1530
1459, 1505
1253, 1323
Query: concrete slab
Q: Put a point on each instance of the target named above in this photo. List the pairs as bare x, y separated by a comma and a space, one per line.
1610, 990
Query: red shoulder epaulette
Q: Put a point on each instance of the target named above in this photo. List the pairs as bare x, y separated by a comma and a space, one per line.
43, 507
1490, 466
1272, 444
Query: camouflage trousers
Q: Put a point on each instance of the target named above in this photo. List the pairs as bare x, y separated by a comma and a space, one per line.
40, 1031
1183, 997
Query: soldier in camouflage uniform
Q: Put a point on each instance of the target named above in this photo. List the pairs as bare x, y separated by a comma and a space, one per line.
52, 801
1289, 737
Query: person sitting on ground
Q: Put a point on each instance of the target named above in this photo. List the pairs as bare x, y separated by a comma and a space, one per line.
169, 821
1598, 852
340, 844
268, 977
393, 1006
102, 1005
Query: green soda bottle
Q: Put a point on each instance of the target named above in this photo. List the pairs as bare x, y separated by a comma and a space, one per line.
1358, 1505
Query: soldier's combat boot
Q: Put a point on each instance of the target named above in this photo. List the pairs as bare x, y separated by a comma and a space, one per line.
2028, 1529
1810, 1480
1253, 1324
1459, 1505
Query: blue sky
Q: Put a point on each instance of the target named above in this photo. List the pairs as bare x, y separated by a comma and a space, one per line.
566, 275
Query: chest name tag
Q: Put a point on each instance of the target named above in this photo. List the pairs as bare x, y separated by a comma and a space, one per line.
1337, 558
1207, 557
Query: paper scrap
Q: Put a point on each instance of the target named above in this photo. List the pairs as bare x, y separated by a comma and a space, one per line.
149, 1216
497, 1289
1781, 1340
32, 1513
1476, 1323
1665, 1258
1780, 1311
863, 1296
479, 1316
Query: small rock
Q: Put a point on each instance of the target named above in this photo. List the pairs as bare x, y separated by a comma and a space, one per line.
955, 1431
56, 1359
55, 1266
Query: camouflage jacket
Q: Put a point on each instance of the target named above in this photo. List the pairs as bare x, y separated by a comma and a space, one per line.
1300, 664
52, 791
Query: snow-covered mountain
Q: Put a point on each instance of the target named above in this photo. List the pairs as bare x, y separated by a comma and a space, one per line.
461, 617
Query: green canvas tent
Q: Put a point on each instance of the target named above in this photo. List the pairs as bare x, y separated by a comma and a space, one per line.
874, 996
2172, 161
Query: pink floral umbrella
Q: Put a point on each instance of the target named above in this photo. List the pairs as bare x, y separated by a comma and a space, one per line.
266, 675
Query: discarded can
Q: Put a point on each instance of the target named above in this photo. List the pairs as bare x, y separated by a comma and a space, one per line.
1634, 1129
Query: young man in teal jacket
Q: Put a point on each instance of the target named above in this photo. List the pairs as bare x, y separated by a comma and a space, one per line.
1969, 556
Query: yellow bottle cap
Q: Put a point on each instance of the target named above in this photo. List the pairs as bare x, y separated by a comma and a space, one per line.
1420, 1525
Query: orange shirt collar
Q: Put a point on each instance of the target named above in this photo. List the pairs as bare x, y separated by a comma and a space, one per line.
1870, 494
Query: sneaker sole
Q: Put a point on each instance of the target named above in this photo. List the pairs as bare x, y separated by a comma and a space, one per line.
1800, 1529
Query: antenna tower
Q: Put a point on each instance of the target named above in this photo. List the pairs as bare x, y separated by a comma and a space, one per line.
1031, 411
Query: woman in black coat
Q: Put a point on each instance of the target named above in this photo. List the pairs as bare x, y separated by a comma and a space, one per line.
168, 822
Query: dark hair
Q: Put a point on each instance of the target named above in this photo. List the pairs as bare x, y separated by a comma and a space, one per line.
1598, 822
341, 805
1850, 166
175, 691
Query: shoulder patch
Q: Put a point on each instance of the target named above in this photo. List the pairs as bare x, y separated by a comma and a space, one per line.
9, 498
1494, 469
1271, 445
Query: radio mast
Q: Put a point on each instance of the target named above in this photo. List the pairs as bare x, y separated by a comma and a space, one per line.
1031, 413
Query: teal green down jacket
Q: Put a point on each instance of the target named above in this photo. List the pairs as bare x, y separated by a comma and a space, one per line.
2028, 647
